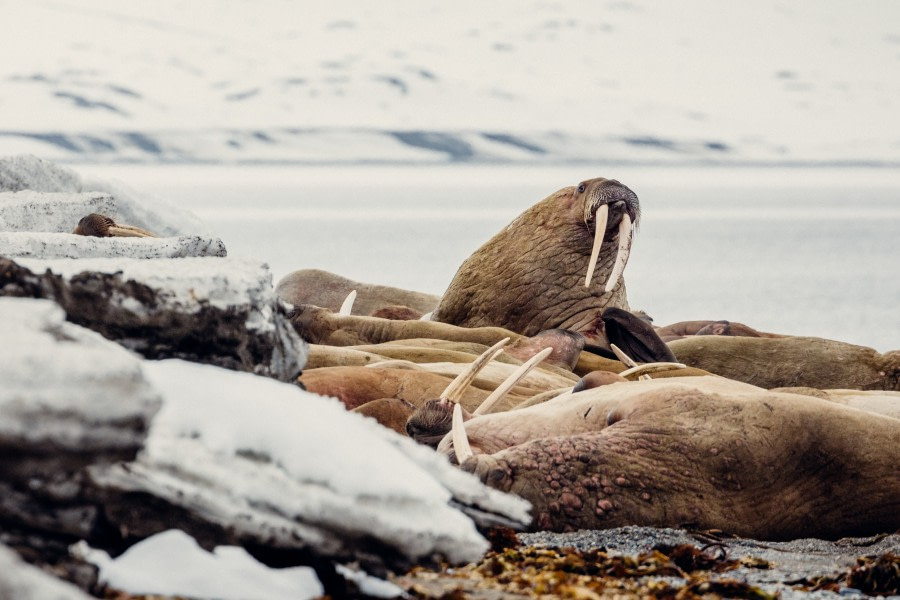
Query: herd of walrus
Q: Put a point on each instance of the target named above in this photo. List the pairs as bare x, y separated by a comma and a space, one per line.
533, 373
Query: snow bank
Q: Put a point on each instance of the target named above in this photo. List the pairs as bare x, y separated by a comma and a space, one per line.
66, 245
56, 193
173, 564
44, 360
274, 462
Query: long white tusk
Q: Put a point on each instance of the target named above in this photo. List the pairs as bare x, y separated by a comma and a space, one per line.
347, 306
622, 253
624, 358
456, 388
601, 217
652, 368
511, 381
460, 440
118, 230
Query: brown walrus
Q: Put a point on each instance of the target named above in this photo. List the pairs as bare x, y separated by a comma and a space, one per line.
698, 453
532, 275
97, 225
321, 288
676, 331
791, 362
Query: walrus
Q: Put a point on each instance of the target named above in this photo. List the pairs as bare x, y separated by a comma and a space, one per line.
321, 288
681, 329
696, 453
792, 361
539, 272
355, 386
97, 225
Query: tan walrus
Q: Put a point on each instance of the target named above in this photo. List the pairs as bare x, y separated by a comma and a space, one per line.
556, 266
697, 453
321, 288
791, 362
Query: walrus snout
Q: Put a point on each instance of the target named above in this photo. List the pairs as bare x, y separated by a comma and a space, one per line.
598, 197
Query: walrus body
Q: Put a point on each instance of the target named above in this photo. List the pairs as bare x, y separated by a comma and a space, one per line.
321, 288
530, 277
703, 453
791, 362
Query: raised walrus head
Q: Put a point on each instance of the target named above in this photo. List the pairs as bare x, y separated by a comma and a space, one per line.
557, 265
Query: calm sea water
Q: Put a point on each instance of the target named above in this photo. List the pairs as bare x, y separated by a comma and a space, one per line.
799, 251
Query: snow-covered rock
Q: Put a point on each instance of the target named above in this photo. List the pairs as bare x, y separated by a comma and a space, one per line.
267, 461
50, 211
68, 400
26, 244
213, 310
38, 195
229, 458
43, 361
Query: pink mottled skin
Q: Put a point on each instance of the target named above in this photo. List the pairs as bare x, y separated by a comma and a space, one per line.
747, 461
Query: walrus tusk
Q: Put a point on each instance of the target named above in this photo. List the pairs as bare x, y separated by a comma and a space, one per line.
601, 216
347, 306
511, 381
622, 253
624, 358
652, 368
461, 446
456, 388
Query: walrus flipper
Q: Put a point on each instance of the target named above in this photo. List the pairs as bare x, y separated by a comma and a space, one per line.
635, 336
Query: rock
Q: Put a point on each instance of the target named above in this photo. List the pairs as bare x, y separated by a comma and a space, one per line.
27, 172
50, 212
229, 458
69, 400
212, 310
66, 245
61, 192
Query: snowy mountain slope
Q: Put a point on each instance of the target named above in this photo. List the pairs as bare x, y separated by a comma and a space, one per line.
272, 80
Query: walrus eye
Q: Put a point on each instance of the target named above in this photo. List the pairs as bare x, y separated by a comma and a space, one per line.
581, 189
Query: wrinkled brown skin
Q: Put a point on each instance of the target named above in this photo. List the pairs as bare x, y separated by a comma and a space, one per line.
354, 386
321, 288
676, 331
567, 347
530, 276
752, 463
390, 412
321, 326
791, 362
94, 225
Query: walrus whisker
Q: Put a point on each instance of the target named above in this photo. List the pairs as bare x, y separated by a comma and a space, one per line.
347, 305
625, 237
600, 217
456, 387
461, 446
652, 368
511, 381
